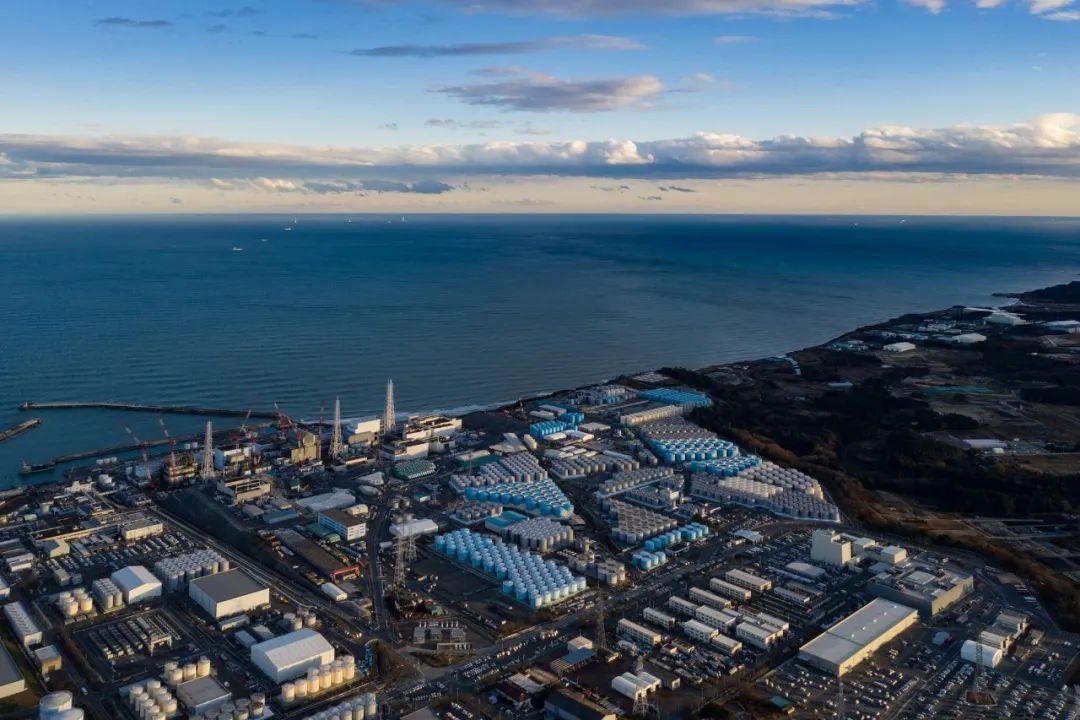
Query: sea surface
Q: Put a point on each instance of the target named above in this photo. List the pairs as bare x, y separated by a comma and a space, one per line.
459, 310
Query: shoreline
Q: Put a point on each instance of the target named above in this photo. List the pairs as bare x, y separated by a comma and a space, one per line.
463, 411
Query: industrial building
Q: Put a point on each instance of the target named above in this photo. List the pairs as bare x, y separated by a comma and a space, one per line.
928, 588
850, 641
12, 681
244, 489
202, 694
429, 427
746, 580
830, 548
699, 631
140, 528
563, 704
638, 634
986, 655
350, 526
136, 583
719, 619
660, 619
23, 626
422, 526
707, 598
760, 635
723, 587
228, 593
291, 655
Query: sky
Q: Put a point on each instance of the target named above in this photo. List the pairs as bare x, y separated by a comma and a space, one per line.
770, 106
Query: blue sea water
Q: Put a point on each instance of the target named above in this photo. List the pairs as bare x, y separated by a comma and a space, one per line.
459, 310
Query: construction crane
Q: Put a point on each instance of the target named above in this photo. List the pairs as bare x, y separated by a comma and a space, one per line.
142, 448
172, 444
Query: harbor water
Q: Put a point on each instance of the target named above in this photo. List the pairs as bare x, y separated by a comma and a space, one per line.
459, 310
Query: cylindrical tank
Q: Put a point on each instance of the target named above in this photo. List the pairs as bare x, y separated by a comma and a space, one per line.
288, 693
297, 623
169, 706
70, 714
258, 704
370, 706
152, 685
190, 671
326, 678
348, 671
337, 673
310, 620
202, 669
53, 703
175, 676
301, 687
241, 714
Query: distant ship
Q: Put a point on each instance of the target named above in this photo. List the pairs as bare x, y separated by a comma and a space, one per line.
237, 248
263, 240
28, 469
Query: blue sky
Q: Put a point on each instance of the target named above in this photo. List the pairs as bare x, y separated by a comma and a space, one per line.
445, 74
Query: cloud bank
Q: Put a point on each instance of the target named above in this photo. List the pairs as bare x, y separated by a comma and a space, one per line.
1047, 146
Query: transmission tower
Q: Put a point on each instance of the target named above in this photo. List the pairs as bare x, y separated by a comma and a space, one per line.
404, 553
208, 453
601, 635
389, 416
641, 699
336, 446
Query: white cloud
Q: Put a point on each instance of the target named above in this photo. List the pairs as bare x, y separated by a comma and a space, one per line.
934, 6
538, 92
733, 39
1067, 16
1048, 145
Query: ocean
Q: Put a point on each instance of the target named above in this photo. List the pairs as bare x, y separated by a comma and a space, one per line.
459, 310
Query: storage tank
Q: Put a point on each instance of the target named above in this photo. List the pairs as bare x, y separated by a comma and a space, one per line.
370, 706
337, 673
70, 714
86, 604
54, 703
288, 693
203, 667
310, 620
326, 678
258, 704
190, 671
301, 687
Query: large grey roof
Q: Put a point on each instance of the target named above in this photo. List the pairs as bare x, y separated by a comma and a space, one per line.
228, 585
9, 670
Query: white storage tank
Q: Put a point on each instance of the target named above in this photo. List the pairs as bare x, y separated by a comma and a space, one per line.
202, 669
288, 693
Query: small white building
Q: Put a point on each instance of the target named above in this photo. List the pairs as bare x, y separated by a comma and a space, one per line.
289, 656
830, 548
228, 593
985, 655
136, 583
899, 347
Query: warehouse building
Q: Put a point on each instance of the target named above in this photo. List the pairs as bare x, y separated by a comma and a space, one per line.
563, 704
26, 630
726, 645
638, 634
350, 526
748, 581
136, 583
856, 637
986, 655
927, 588
699, 631
289, 656
12, 681
707, 598
134, 530
760, 635
723, 587
228, 593
719, 619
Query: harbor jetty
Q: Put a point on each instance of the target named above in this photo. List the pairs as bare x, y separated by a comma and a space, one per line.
137, 407
20, 428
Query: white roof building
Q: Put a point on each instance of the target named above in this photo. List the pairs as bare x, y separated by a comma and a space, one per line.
289, 656
136, 583
850, 641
